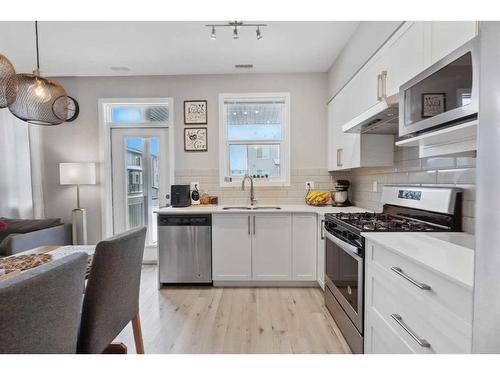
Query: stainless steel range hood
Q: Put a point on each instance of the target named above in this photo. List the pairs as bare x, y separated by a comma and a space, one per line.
382, 118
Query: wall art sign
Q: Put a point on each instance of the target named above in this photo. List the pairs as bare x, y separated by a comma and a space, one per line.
433, 104
195, 139
195, 112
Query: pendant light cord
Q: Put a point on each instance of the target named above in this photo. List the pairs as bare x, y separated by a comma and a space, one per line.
37, 52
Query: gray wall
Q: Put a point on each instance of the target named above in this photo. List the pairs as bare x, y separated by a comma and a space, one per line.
78, 141
486, 324
365, 41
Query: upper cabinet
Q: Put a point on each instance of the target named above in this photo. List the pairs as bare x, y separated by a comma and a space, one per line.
404, 55
411, 49
445, 36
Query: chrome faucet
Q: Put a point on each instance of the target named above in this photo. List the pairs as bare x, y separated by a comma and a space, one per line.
252, 193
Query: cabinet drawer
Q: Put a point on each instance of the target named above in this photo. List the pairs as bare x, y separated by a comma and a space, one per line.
454, 298
381, 338
426, 319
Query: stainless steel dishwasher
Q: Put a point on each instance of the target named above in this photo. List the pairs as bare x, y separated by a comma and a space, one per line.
185, 249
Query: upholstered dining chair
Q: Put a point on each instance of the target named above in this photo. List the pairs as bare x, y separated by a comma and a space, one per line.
111, 298
40, 308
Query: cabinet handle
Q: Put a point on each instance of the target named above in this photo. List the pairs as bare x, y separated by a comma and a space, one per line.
379, 87
322, 229
249, 224
383, 77
340, 152
419, 285
423, 343
254, 225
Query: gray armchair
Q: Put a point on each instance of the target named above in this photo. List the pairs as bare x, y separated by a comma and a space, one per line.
112, 295
40, 308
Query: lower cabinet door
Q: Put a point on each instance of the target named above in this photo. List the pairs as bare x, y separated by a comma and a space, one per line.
304, 247
231, 247
272, 247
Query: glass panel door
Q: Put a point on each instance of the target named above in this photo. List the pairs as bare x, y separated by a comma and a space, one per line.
138, 171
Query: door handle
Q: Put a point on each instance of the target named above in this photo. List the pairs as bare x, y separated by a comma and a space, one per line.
322, 229
249, 224
423, 343
419, 285
254, 225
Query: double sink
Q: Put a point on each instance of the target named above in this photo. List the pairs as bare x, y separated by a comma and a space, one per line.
251, 208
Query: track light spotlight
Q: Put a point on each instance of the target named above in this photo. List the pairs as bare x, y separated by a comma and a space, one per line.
259, 34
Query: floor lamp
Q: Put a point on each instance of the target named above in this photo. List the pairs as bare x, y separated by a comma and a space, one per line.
78, 174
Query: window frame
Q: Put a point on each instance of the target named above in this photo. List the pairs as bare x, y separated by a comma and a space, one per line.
285, 165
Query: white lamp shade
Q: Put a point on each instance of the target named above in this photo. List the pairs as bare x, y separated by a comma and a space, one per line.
77, 173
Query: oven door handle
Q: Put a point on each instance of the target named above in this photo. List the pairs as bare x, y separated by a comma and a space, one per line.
348, 248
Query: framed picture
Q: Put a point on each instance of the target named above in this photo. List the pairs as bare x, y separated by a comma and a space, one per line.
433, 104
195, 139
195, 112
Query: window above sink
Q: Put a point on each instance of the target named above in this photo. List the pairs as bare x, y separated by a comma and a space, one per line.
254, 138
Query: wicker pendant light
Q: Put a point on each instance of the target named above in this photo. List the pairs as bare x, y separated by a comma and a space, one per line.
8, 82
37, 97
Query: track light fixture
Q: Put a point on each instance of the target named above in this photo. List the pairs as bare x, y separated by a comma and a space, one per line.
236, 25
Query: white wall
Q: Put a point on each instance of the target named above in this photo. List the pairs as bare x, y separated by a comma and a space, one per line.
78, 141
365, 41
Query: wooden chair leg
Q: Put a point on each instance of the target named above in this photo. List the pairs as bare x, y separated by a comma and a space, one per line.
136, 327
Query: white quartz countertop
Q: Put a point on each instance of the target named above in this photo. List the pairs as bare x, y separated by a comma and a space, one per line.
299, 208
450, 254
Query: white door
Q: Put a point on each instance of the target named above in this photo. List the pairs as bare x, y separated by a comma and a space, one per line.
272, 247
140, 171
231, 247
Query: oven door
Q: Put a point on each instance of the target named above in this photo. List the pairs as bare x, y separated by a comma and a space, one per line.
344, 277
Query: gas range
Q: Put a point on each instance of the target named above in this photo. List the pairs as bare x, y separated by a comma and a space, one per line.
405, 209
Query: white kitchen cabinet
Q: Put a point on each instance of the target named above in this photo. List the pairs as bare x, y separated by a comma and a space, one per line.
349, 150
304, 247
320, 268
231, 247
272, 247
446, 36
411, 308
404, 55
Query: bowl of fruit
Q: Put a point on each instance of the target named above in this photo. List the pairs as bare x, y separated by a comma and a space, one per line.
318, 198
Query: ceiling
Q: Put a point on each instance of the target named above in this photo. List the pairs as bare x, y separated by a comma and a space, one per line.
171, 48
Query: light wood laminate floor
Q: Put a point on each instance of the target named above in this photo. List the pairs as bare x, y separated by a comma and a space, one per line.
233, 320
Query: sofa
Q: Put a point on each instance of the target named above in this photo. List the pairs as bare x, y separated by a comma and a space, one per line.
18, 235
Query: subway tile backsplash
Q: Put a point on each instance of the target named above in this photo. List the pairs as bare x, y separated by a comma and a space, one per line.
293, 194
409, 169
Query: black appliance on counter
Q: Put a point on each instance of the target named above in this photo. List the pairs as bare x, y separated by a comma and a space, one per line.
180, 195
406, 209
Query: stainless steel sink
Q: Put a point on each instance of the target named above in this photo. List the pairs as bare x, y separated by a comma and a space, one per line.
236, 208
266, 208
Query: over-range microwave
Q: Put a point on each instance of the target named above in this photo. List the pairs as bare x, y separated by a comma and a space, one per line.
444, 94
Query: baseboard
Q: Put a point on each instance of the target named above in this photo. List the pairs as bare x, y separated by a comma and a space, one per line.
294, 284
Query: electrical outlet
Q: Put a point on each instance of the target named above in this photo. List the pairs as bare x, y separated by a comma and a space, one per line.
309, 185
195, 184
375, 186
